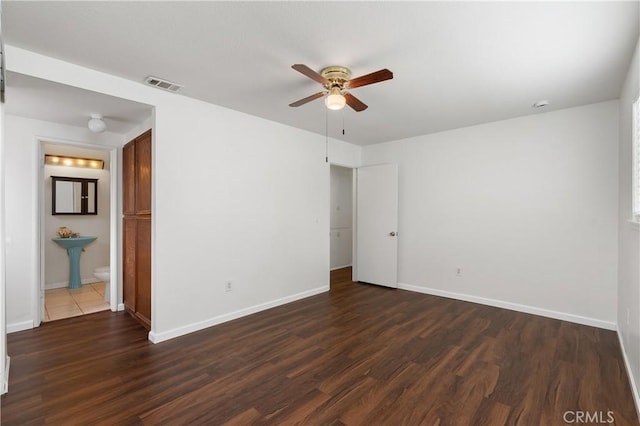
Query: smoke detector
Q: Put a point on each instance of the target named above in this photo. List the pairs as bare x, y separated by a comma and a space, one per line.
163, 84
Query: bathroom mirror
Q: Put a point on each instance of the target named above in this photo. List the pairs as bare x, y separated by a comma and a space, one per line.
74, 195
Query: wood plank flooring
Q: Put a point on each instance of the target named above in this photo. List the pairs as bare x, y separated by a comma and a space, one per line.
358, 355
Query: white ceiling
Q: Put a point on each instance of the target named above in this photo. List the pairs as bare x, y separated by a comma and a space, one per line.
45, 100
455, 63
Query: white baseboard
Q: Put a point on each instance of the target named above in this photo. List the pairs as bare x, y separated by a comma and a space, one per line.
4, 383
120, 306
341, 267
632, 382
63, 284
190, 328
19, 326
578, 319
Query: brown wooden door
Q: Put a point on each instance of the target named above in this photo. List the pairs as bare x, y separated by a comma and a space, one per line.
129, 178
143, 270
129, 237
143, 174
136, 224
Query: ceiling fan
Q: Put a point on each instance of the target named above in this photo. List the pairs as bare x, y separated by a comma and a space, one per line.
336, 80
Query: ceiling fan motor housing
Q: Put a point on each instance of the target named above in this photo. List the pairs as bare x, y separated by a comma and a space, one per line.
338, 76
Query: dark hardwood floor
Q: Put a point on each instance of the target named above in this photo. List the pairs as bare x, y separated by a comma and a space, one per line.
360, 354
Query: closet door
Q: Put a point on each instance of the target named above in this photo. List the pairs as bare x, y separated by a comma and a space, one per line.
129, 238
129, 178
143, 174
136, 236
143, 270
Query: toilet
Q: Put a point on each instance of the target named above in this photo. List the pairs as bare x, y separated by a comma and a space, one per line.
103, 273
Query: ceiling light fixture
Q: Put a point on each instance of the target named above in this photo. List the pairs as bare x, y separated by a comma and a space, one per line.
96, 124
59, 160
335, 100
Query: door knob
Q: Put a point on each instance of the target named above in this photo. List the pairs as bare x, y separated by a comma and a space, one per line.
393, 234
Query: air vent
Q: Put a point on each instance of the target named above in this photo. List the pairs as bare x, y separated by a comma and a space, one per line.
162, 84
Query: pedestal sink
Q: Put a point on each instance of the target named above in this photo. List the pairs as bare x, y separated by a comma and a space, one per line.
74, 247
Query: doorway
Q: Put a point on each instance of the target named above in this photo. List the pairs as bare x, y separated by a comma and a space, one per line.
341, 218
90, 294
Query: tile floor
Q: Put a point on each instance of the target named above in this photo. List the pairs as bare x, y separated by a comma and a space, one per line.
65, 302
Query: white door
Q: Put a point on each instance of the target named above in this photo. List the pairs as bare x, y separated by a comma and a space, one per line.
377, 225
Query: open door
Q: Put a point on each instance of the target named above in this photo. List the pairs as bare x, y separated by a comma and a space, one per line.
377, 225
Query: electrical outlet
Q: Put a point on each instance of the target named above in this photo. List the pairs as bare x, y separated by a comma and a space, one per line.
227, 286
458, 271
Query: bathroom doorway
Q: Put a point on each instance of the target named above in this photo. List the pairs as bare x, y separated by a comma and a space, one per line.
69, 206
45, 112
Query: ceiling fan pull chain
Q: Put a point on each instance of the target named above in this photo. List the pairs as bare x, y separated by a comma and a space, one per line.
343, 122
326, 135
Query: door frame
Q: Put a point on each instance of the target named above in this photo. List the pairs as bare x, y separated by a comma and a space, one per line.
354, 215
114, 233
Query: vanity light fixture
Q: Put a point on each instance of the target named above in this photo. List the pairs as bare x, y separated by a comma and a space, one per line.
59, 160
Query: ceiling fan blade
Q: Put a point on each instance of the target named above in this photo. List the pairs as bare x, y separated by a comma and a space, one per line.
374, 77
301, 68
307, 99
355, 103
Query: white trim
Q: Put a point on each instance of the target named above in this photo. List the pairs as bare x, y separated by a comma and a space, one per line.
635, 159
63, 284
578, 319
354, 224
340, 267
632, 382
4, 384
19, 326
634, 224
120, 307
190, 328
115, 243
38, 232
345, 165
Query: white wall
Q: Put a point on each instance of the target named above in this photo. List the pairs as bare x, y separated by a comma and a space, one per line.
4, 361
629, 234
341, 216
139, 130
344, 154
21, 197
526, 207
96, 254
245, 201
235, 198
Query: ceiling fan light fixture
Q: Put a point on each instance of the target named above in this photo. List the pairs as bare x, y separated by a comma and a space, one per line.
335, 79
96, 124
335, 100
